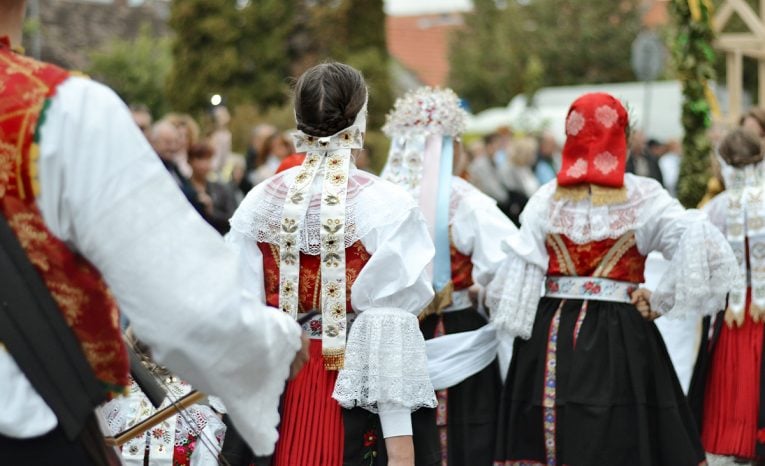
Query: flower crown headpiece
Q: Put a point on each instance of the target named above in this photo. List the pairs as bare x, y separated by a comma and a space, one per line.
426, 110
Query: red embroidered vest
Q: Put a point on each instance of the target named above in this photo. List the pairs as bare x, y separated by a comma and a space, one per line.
309, 294
462, 269
628, 264
89, 309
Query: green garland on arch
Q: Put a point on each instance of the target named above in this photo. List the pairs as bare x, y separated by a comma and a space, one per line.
694, 60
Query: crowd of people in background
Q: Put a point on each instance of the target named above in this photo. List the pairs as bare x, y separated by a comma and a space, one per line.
213, 178
506, 165
510, 167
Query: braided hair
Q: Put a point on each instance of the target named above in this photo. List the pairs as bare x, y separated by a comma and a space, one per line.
328, 97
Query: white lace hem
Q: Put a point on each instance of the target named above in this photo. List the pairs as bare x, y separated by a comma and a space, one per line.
385, 363
699, 276
513, 296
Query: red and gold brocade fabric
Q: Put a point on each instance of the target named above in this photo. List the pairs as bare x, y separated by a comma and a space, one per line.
309, 294
584, 259
462, 269
89, 309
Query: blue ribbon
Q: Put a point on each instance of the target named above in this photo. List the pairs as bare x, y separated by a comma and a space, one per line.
442, 268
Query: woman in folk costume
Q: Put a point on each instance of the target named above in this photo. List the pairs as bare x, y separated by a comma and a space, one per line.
733, 419
190, 438
591, 382
467, 226
329, 237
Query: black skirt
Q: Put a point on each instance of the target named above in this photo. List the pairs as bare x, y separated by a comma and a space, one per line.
471, 405
365, 445
605, 395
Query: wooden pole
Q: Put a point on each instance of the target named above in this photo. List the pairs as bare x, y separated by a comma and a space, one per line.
735, 81
151, 421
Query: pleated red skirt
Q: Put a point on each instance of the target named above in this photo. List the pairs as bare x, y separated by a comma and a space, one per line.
311, 431
731, 404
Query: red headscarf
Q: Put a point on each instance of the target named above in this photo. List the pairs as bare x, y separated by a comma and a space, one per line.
294, 160
596, 144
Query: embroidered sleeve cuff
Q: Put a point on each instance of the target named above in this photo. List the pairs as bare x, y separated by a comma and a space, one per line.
395, 421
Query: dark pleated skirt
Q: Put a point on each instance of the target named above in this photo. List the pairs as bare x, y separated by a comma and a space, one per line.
471, 405
612, 395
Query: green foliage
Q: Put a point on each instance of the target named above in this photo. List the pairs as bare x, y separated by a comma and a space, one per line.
499, 51
135, 69
488, 54
694, 60
264, 52
353, 32
205, 52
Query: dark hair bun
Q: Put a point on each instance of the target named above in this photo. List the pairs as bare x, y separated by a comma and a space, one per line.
328, 97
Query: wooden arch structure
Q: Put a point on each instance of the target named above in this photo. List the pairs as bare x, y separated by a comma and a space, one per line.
736, 46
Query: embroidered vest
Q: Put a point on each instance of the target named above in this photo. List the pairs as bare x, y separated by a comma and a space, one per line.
26, 87
570, 259
309, 294
462, 269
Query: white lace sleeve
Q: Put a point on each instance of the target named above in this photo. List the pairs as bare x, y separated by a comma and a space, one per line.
385, 362
702, 265
478, 228
513, 295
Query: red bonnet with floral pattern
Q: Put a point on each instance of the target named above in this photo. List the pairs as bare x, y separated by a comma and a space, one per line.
596, 143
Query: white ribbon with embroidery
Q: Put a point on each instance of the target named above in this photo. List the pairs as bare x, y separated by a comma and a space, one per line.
333, 155
746, 222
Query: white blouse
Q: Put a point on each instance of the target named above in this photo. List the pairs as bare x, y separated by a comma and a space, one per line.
106, 194
701, 261
385, 365
478, 228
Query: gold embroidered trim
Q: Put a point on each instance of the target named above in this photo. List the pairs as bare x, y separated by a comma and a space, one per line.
615, 254
607, 196
441, 301
572, 193
334, 358
599, 195
561, 251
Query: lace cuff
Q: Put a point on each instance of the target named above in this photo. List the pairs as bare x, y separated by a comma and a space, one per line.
513, 296
385, 363
699, 276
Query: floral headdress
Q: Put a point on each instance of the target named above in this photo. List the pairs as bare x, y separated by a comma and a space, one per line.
422, 126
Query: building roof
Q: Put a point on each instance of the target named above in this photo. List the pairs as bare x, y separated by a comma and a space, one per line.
421, 44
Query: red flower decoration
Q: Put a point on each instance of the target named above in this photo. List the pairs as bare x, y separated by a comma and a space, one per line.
761, 436
592, 288
315, 325
553, 286
370, 438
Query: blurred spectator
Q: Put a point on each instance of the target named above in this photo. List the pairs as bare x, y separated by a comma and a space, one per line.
518, 177
259, 135
642, 161
238, 184
142, 117
276, 147
363, 159
165, 139
220, 139
483, 172
502, 139
188, 133
669, 163
544, 167
214, 201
